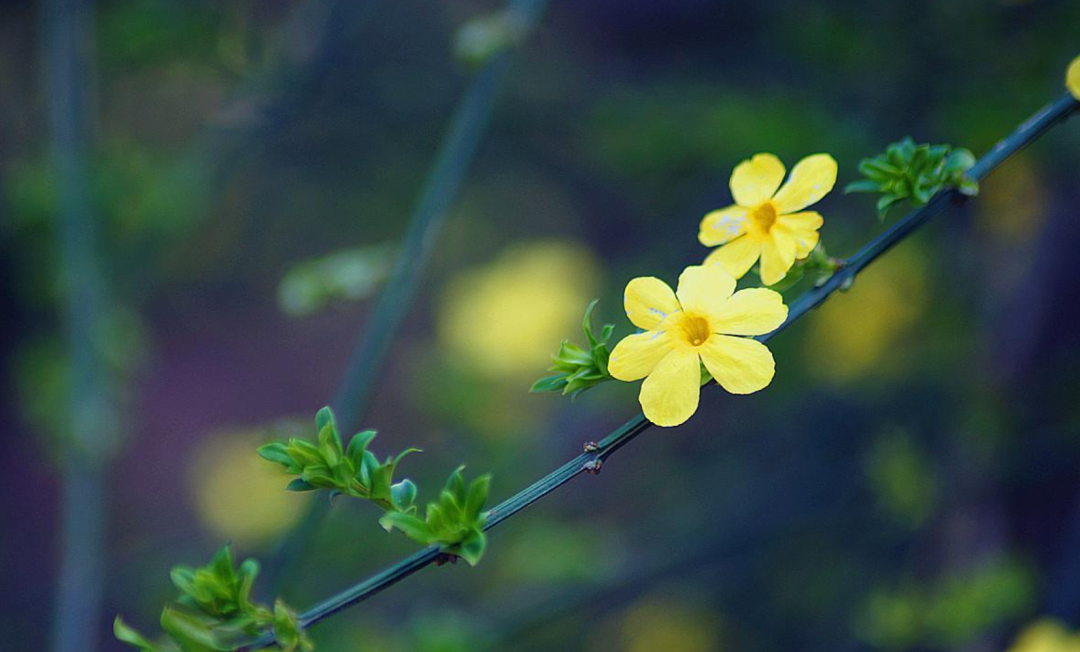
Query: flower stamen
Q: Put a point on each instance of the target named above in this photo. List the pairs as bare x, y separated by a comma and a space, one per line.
695, 330
764, 216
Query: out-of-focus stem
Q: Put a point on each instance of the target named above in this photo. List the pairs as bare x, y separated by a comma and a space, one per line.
92, 427
368, 358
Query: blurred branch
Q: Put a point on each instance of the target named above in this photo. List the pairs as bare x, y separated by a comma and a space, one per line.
595, 454
457, 150
92, 417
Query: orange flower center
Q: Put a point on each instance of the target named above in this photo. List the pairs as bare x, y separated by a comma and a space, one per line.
695, 329
764, 216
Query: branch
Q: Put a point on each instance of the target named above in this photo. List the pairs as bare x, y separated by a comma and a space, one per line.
592, 459
92, 418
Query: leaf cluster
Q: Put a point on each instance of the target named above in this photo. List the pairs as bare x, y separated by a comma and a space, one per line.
353, 470
579, 368
215, 612
455, 522
914, 173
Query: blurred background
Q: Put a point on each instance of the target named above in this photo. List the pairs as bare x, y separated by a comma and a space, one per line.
910, 481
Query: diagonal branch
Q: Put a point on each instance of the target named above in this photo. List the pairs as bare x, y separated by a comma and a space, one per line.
595, 454
357, 387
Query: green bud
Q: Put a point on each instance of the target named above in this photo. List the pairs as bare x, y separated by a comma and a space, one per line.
578, 368
914, 173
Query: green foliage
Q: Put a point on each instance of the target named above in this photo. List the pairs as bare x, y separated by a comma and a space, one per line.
484, 37
214, 611
353, 470
579, 368
455, 522
903, 478
953, 612
347, 275
914, 173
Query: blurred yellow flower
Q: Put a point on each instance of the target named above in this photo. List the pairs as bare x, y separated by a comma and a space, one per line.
1014, 207
856, 333
663, 624
1072, 78
1046, 635
689, 327
237, 495
499, 321
765, 222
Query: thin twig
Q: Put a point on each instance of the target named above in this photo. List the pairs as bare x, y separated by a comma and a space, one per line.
92, 419
457, 150
591, 460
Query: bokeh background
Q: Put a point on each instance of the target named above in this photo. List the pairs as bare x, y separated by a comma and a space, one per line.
910, 481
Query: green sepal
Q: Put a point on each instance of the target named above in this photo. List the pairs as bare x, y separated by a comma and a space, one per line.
579, 368
126, 634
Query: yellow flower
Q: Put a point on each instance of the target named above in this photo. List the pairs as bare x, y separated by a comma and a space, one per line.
238, 495
1046, 635
525, 299
765, 222
1072, 78
696, 324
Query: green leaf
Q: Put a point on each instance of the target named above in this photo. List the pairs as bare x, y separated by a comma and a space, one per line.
300, 485
125, 634
330, 445
323, 418
864, 185
411, 526
404, 453
455, 484
477, 497
305, 453
193, 633
472, 548
357, 445
276, 452
549, 384
403, 494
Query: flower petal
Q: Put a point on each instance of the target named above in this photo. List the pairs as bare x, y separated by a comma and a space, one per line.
754, 311
808, 221
722, 226
756, 179
635, 356
811, 179
669, 396
777, 255
648, 301
803, 227
704, 289
741, 365
737, 256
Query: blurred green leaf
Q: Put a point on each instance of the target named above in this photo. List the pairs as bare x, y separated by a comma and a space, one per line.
343, 276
